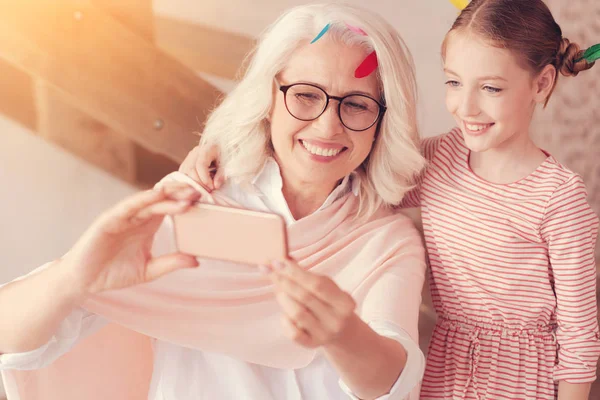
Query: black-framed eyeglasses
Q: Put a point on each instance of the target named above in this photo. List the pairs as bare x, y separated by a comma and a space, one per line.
308, 102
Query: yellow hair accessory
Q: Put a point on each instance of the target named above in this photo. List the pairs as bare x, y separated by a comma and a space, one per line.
460, 4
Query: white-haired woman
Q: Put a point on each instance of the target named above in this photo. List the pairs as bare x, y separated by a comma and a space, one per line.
321, 130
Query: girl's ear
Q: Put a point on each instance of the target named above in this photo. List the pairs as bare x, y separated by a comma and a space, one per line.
544, 83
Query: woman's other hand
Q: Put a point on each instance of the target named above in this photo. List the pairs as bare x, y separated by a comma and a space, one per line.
316, 311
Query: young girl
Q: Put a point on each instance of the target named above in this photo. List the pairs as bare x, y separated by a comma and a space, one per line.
509, 232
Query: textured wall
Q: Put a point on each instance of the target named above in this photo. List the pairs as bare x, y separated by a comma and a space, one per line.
569, 127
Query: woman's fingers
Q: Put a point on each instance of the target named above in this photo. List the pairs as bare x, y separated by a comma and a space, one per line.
163, 265
304, 321
298, 335
167, 207
180, 197
330, 322
303, 297
322, 287
117, 217
136, 202
180, 191
298, 313
170, 198
317, 309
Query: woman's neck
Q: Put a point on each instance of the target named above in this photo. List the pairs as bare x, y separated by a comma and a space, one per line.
509, 162
304, 198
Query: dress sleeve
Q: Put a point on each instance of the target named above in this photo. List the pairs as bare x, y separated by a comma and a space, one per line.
570, 229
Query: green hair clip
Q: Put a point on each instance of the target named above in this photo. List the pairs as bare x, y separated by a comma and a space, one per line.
591, 54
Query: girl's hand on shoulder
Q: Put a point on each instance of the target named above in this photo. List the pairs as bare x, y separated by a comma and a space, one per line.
202, 165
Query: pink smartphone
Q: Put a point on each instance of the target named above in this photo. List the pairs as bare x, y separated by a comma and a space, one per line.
231, 234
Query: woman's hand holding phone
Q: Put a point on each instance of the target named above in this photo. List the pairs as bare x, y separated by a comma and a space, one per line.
115, 251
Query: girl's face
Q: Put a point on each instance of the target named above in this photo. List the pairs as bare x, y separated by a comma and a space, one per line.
491, 97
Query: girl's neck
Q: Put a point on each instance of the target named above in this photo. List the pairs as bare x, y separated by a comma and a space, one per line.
509, 162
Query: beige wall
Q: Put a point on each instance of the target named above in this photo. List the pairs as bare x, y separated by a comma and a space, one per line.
48, 199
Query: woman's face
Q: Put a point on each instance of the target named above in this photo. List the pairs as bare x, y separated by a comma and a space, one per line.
322, 151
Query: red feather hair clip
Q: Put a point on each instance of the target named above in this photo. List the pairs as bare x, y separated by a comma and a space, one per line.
367, 67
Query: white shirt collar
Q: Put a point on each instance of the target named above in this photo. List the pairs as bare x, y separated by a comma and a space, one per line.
269, 184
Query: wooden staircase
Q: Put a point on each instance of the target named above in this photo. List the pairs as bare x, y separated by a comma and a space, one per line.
111, 82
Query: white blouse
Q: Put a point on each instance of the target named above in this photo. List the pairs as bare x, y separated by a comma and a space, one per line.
185, 374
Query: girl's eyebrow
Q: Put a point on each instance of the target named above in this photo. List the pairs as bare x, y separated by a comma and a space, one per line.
492, 78
483, 78
450, 71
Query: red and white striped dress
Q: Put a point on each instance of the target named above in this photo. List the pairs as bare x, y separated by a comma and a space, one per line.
513, 278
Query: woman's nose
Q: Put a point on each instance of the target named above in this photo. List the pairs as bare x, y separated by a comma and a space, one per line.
329, 123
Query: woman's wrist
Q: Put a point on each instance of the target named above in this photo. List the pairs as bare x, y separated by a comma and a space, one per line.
359, 337
70, 287
360, 354
355, 330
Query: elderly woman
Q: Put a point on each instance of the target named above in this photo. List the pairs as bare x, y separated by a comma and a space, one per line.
321, 130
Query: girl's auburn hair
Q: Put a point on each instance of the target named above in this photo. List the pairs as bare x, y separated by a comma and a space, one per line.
528, 29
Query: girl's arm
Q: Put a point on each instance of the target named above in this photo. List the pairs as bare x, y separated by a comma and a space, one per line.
573, 391
429, 147
570, 229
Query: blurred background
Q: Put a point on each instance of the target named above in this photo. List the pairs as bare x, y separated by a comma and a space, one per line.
100, 98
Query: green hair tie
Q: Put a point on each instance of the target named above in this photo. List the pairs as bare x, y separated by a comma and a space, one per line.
591, 54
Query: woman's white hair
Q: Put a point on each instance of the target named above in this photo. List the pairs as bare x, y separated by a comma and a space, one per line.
239, 127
